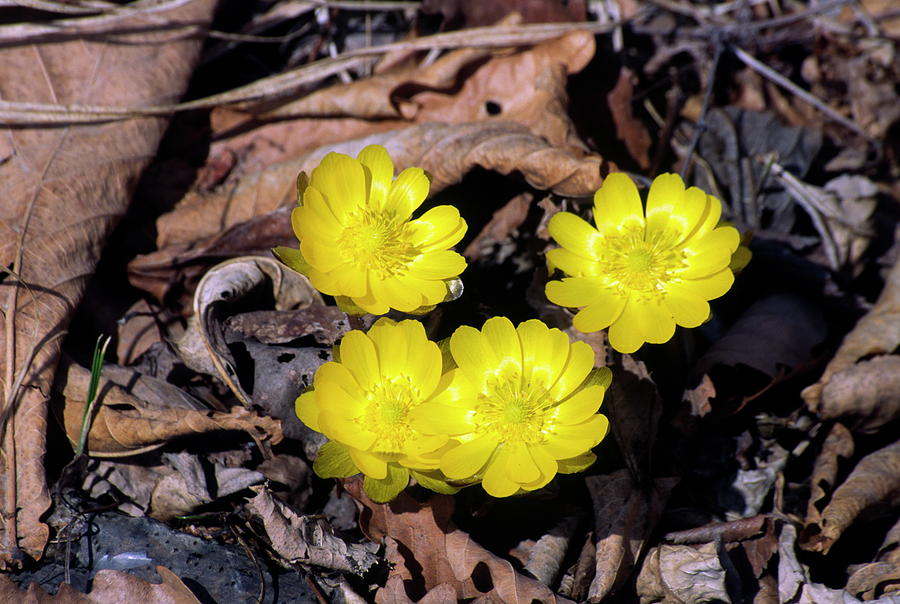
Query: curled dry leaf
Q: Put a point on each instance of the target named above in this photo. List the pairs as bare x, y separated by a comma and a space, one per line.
629, 129
838, 445
634, 407
527, 87
877, 333
869, 581
125, 425
624, 517
64, 190
202, 346
309, 540
440, 552
873, 483
107, 586
473, 13
680, 574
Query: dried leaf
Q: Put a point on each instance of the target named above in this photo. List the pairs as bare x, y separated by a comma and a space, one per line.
107, 586
624, 517
307, 539
877, 333
634, 407
680, 574
202, 346
126, 425
838, 444
441, 553
472, 13
629, 129
865, 396
500, 227
64, 190
527, 87
874, 482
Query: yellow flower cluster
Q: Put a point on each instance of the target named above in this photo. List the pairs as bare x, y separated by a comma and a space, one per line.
513, 407
639, 272
508, 407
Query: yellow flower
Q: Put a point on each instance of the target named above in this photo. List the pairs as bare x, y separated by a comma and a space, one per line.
362, 403
359, 244
520, 404
641, 273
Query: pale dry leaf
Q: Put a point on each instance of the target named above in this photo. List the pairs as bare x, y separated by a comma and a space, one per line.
64, 190
441, 553
877, 333
125, 425
873, 483
693, 574
865, 396
624, 517
107, 586
308, 539
838, 445
872, 580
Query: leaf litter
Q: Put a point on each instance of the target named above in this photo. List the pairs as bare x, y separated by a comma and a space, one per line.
753, 459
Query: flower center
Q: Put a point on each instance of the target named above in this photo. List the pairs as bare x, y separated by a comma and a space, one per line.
387, 413
637, 265
377, 241
512, 411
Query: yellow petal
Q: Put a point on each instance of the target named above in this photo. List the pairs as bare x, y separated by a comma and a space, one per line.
546, 465
691, 212
472, 354
580, 405
407, 192
432, 291
341, 181
324, 282
369, 464
576, 464
321, 257
578, 366
359, 356
601, 314
442, 264
710, 217
293, 258
617, 204
396, 295
559, 447
308, 410
574, 234
434, 418
370, 302
544, 353
572, 264
666, 193
314, 209
655, 320
381, 173
423, 365
384, 490
520, 466
391, 346
334, 461
503, 340
351, 280
467, 459
439, 228
712, 286
687, 308
338, 401
347, 431
625, 333
592, 430
497, 481
575, 292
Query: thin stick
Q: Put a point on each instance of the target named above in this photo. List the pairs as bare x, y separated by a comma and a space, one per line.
766, 71
700, 126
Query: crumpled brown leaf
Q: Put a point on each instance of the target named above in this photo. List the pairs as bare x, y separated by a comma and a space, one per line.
308, 539
125, 425
629, 129
681, 574
64, 190
624, 517
874, 482
872, 580
472, 13
441, 554
447, 151
527, 87
838, 444
107, 586
876, 334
